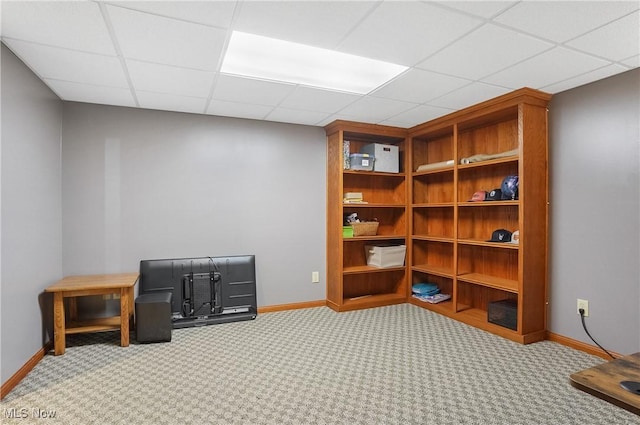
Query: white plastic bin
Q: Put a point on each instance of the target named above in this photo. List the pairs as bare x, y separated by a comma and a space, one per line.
361, 161
385, 256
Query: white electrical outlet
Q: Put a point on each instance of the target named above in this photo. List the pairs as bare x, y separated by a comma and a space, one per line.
315, 277
583, 304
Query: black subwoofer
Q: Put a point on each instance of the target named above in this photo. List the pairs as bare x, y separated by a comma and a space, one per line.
153, 317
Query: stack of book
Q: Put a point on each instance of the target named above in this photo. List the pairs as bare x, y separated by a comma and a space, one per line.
429, 292
353, 198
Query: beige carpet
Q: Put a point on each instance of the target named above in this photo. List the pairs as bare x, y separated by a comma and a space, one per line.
391, 365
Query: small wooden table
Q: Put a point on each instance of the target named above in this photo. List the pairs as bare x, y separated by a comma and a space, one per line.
603, 381
79, 286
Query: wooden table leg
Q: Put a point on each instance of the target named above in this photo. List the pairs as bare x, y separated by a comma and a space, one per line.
58, 324
124, 317
131, 305
131, 297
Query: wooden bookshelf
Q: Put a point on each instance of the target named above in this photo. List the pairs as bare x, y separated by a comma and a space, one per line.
351, 283
472, 269
426, 206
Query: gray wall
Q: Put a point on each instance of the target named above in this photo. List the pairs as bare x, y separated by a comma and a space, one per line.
31, 210
141, 184
595, 211
149, 184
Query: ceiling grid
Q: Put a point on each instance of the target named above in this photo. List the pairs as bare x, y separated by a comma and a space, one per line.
167, 55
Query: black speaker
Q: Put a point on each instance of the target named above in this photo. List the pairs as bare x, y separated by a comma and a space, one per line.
153, 317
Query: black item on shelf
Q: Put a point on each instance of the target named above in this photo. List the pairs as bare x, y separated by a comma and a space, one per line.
500, 235
349, 217
494, 195
504, 313
509, 187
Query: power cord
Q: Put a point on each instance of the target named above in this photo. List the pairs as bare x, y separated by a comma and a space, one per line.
581, 311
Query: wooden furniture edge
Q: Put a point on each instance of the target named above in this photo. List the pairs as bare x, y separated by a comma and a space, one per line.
361, 127
78, 283
602, 381
511, 99
14, 380
580, 346
84, 285
605, 397
292, 306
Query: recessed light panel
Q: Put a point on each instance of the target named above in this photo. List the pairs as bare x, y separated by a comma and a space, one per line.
255, 56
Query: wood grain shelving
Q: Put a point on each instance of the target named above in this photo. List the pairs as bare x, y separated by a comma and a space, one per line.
351, 283
446, 235
451, 247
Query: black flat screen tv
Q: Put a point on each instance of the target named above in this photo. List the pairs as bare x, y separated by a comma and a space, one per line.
205, 290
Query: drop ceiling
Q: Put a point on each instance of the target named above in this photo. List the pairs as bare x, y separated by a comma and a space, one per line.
167, 55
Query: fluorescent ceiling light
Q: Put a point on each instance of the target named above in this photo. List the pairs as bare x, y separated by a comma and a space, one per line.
255, 56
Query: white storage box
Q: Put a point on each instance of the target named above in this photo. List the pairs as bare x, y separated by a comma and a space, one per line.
387, 157
385, 256
361, 161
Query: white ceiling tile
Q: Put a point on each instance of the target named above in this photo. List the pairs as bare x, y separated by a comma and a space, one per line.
417, 115
328, 120
485, 51
548, 68
152, 38
373, 109
484, 9
247, 90
563, 20
296, 116
91, 94
72, 25
172, 51
407, 32
316, 23
615, 41
170, 79
344, 117
632, 62
213, 13
392, 123
70, 65
311, 99
239, 110
580, 80
170, 102
468, 95
419, 86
